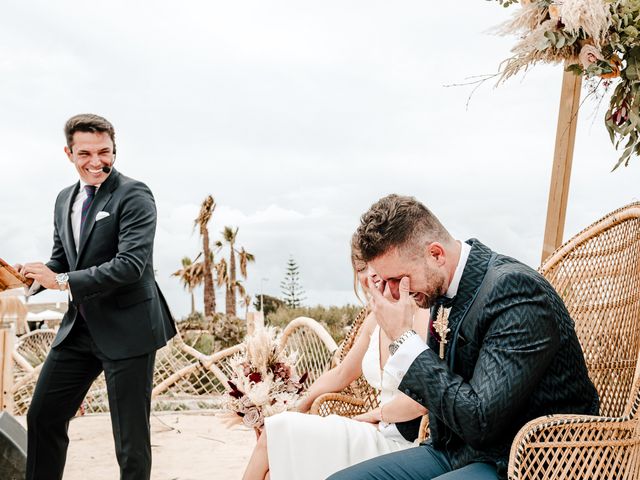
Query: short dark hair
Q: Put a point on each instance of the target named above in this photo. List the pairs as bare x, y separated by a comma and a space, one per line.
88, 122
397, 221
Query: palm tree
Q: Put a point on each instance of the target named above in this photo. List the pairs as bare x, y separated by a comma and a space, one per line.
245, 301
227, 270
206, 211
192, 275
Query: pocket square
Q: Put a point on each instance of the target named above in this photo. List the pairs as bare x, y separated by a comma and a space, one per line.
102, 215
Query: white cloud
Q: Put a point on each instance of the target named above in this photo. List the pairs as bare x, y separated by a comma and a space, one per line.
296, 117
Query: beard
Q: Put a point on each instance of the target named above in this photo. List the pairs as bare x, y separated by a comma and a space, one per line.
435, 287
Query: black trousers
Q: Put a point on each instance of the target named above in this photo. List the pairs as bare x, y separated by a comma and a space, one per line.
67, 373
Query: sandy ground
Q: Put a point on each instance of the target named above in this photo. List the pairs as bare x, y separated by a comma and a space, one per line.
185, 446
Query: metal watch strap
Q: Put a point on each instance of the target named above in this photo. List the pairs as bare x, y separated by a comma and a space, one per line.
62, 279
395, 345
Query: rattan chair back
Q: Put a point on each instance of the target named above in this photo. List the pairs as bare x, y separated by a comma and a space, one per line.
359, 388
314, 346
597, 274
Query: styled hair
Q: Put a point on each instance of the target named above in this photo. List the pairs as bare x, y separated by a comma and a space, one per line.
88, 122
397, 221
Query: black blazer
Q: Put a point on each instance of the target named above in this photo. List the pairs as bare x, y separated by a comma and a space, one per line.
111, 278
513, 355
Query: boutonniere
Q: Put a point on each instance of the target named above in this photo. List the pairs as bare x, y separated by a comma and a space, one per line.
441, 326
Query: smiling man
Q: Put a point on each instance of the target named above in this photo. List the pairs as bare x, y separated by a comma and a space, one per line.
511, 353
104, 228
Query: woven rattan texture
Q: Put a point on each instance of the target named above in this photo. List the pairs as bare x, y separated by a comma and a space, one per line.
314, 356
184, 378
599, 281
597, 273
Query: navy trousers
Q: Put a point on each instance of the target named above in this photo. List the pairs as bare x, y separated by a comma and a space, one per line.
417, 463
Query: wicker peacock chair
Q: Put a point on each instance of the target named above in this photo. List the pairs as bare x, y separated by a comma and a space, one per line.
359, 397
184, 378
597, 274
313, 344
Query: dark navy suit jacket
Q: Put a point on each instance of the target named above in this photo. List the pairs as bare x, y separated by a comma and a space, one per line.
111, 277
513, 355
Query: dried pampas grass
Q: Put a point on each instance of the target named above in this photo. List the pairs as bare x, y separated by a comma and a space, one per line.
529, 23
261, 348
593, 17
526, 52
524, 20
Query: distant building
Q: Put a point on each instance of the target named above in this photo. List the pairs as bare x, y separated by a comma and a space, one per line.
60, 307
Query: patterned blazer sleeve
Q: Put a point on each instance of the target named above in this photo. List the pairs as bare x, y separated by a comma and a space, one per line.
521, 339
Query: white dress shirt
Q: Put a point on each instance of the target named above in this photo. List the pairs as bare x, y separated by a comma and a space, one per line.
399, 362
76, 212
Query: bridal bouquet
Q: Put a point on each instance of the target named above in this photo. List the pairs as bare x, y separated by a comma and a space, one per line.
263, 380
600, 40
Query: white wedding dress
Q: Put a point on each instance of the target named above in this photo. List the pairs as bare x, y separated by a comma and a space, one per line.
310, 447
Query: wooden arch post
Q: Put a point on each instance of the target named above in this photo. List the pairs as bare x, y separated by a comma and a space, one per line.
562, 160
6, 366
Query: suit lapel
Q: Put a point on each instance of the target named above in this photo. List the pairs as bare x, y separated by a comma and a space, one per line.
99, 202
70, 244
472, 275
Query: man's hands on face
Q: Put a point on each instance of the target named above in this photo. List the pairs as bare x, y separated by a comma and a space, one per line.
394, 317
41, 274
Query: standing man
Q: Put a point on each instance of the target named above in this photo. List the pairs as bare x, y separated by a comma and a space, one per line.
510, 352
104, 228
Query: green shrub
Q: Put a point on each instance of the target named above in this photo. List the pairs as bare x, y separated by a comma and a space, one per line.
228, 330
212, 334
336, 320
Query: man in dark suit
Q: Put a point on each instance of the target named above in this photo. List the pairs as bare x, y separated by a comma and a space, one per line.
104, 228
510, 352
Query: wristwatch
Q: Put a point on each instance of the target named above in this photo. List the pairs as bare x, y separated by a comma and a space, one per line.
395, 345
62, 279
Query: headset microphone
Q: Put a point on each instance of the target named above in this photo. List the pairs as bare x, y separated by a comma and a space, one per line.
108, 169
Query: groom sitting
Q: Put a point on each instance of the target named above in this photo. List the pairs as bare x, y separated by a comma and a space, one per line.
510, 352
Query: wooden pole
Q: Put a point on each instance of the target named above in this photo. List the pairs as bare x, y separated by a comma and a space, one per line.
255, 321
6, 367
562, 159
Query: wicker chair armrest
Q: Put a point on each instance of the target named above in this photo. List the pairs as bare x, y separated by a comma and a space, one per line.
337, 404
574, 447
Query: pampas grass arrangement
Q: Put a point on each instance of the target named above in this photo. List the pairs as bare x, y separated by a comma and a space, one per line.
597, 39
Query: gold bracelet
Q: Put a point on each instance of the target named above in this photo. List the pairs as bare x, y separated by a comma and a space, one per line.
381, 417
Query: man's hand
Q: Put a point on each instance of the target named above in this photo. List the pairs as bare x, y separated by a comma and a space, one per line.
394, 318
41, 274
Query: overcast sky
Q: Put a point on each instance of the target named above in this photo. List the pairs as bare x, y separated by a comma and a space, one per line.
295, 116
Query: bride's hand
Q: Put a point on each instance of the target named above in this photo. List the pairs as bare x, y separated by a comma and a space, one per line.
301, 406
372, 416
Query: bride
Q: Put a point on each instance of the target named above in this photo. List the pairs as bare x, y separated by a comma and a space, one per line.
294, 445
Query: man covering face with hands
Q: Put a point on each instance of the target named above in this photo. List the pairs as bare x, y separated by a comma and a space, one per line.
393, 314
508, 351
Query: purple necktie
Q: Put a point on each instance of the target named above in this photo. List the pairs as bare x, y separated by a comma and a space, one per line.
91, 193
